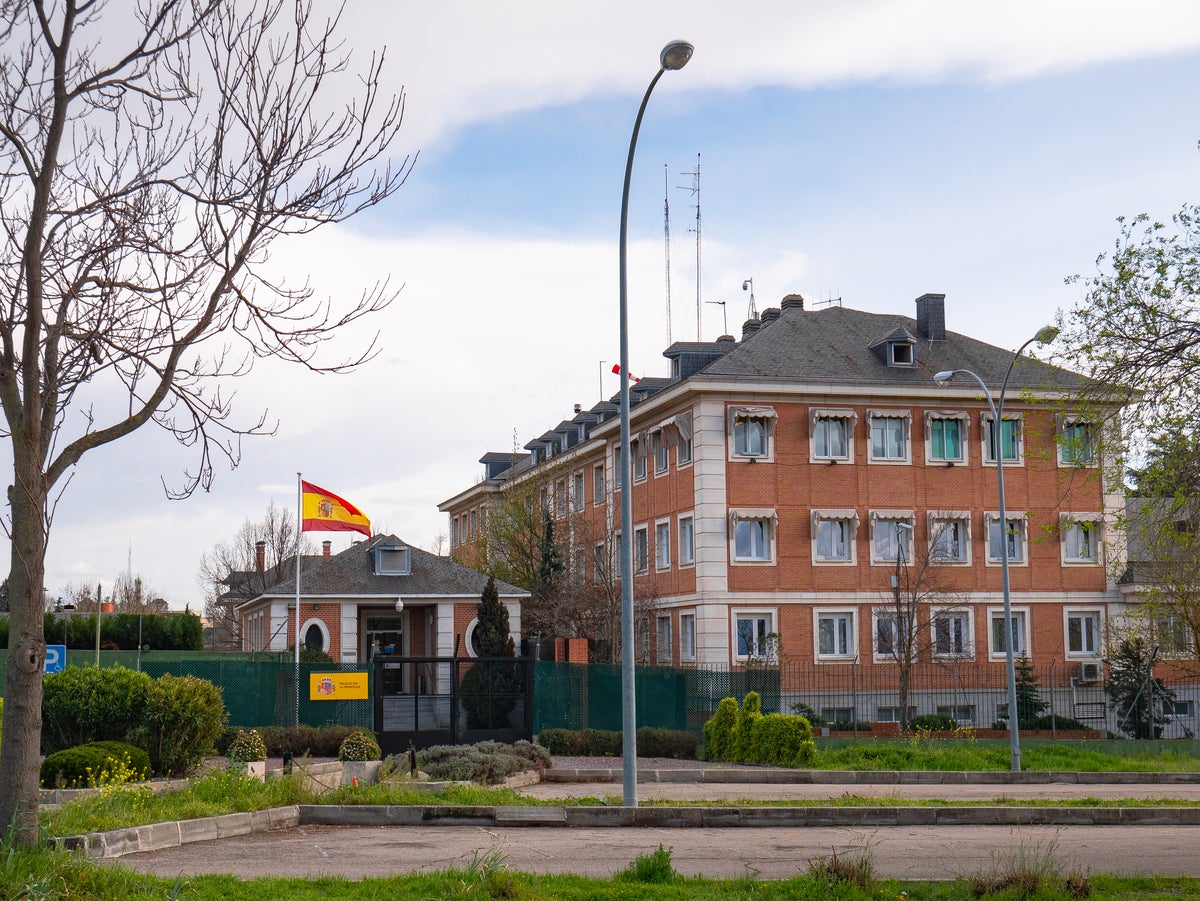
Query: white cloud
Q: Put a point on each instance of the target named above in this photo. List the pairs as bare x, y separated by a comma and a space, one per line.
463, 61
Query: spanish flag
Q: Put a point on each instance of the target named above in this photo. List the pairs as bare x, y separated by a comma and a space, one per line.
324, 511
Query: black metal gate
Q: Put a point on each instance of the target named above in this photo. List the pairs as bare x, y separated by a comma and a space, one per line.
425, 701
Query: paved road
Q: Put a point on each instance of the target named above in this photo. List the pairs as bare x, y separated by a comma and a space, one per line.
916, 853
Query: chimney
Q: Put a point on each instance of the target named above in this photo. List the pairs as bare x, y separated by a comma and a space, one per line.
579, 408
793, 302
325, 545
749, 327
260, 555
769, 315
931, 316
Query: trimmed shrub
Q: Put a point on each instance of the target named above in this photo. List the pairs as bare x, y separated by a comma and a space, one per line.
743, 735
184, 716
359, 745
95, 764
719, 731
669, 743
247, 746
781, 739
85, 704
1062, 723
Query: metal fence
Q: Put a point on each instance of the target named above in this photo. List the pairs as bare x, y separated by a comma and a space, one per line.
848, 697
258, 689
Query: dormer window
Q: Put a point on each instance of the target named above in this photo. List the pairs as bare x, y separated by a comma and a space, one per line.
900, 353
392, 561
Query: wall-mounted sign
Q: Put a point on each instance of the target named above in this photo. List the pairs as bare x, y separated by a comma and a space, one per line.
337, 687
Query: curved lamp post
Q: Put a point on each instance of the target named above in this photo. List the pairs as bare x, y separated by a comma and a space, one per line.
674, 56
1044, 336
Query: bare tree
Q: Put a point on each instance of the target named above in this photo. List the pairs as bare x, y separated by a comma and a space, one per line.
917, 621
148, 158
233, 571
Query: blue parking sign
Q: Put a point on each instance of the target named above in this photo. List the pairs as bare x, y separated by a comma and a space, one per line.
56, 658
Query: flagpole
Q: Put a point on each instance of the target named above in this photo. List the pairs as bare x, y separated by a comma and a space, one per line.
299, 528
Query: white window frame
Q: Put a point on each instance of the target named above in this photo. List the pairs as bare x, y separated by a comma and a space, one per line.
838, 655
687, 539
889, 616
967, 647
936, 521
577, 498
884, 528
849, 518
1082, 612
641, 549
599, 486
905, 416
985, 434
766, 415
560, 501
663, 655
1021, 615
1067, 447
964, 423
639, 452
599, 562
1011, 516
849, 419
765, 521
662, 549
1072, 524
687, 636
1170, 627
757, 615
662, 453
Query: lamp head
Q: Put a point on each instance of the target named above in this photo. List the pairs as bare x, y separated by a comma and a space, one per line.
942, 379
675, 55
1046, 334
399, 605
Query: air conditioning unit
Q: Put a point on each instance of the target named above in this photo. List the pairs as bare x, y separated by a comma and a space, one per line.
1090, 671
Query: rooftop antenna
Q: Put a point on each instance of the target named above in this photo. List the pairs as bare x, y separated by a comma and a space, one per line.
748, 285
603, 363
695, 189
667, 246
828, 302
724, 317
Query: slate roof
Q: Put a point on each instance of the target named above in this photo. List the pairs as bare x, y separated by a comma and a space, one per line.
832, 346
351, 573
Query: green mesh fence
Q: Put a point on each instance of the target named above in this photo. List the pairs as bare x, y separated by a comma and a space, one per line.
258, 689
578, 696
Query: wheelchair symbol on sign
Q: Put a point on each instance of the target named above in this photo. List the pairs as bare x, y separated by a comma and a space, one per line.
56, 658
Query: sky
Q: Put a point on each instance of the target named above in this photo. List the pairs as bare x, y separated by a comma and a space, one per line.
867, 150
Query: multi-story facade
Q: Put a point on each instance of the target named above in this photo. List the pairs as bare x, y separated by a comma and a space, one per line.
781, 482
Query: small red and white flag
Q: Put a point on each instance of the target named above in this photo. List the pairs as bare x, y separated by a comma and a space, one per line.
617, 371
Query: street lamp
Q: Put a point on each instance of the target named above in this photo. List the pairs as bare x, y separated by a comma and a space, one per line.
1044, 336
674, 56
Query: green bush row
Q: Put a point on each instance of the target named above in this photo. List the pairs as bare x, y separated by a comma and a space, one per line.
179, 631
651, 742
746, 735
299, 741
175, 719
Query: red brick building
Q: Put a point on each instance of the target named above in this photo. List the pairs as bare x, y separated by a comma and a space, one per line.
780, 482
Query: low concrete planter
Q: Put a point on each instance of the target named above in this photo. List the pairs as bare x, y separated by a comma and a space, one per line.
255, 769
366, 772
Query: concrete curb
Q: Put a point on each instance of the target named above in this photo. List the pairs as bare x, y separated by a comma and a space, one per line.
871, 777
168, 835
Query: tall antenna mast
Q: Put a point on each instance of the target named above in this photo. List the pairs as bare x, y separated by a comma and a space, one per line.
667, 246
695, 189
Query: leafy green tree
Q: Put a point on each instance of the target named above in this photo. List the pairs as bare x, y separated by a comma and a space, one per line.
1136, 695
